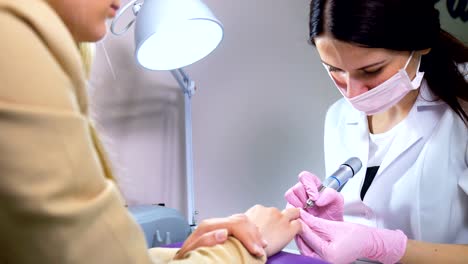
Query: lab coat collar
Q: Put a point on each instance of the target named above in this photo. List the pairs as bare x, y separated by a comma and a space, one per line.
426, 97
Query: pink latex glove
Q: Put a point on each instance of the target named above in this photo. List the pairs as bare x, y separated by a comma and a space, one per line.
342, 242
328, 204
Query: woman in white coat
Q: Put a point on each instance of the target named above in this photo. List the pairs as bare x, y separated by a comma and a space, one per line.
402, 114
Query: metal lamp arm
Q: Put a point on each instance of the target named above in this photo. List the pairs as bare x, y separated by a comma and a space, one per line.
188, 88
136, 7
185, 82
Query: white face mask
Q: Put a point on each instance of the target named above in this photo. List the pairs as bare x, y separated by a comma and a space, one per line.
386, 94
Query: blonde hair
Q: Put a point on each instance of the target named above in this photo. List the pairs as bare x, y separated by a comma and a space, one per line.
87, 52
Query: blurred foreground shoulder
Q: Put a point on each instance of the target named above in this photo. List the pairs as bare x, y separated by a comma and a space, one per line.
39, 62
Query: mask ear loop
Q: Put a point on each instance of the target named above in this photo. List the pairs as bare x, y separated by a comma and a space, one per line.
419, 63
419, 75
409, 59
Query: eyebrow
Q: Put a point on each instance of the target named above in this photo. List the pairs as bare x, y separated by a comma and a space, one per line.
362, 68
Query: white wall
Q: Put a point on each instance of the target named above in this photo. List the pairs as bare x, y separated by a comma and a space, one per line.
259, 111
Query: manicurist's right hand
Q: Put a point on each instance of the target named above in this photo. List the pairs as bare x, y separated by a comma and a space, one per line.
328, 204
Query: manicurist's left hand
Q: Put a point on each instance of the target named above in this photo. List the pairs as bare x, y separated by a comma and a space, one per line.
343, 242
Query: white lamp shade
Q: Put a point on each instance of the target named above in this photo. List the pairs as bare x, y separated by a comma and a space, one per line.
171, 34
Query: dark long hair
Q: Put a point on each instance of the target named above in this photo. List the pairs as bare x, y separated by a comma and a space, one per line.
401, 25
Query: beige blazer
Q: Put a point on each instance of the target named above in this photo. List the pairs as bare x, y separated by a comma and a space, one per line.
57, 204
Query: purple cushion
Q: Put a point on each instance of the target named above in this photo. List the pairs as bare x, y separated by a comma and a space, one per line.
279, 258
285, 257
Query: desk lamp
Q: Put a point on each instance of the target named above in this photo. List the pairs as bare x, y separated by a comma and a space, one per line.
169, 35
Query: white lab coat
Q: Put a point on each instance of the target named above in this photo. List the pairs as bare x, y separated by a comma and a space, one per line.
421, 187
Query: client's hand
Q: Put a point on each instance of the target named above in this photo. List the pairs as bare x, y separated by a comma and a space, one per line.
342, 242
328, 205
215, 231
277, 227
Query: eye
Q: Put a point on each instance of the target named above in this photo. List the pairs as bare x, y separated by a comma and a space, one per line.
334, 69
372, 72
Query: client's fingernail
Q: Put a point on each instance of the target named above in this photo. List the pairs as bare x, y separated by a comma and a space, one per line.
221, 235
265, 243
260, 251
